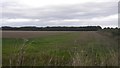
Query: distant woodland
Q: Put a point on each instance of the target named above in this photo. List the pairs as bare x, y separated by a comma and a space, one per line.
29, 28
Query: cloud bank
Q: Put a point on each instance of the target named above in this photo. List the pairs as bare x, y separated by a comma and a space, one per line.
59, 13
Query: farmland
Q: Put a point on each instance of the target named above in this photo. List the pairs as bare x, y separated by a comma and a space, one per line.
58, 48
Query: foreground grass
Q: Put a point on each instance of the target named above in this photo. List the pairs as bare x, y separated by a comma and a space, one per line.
75, 48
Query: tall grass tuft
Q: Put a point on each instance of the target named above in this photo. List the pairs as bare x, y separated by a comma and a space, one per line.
17, 58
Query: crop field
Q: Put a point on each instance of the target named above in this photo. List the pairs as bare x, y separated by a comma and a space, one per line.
58, 48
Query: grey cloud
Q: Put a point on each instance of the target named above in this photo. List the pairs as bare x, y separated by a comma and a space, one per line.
77, 11
89, 10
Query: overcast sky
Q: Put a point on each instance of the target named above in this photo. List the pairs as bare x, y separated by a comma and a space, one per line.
59, 13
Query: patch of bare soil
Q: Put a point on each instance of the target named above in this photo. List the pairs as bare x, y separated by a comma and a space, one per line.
29, 34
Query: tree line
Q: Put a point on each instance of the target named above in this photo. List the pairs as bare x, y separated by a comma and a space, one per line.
113, 31
59, 28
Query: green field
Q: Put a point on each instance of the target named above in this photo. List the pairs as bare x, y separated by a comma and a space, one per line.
85, 48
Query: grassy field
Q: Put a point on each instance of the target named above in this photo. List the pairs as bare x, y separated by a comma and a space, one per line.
52, 48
